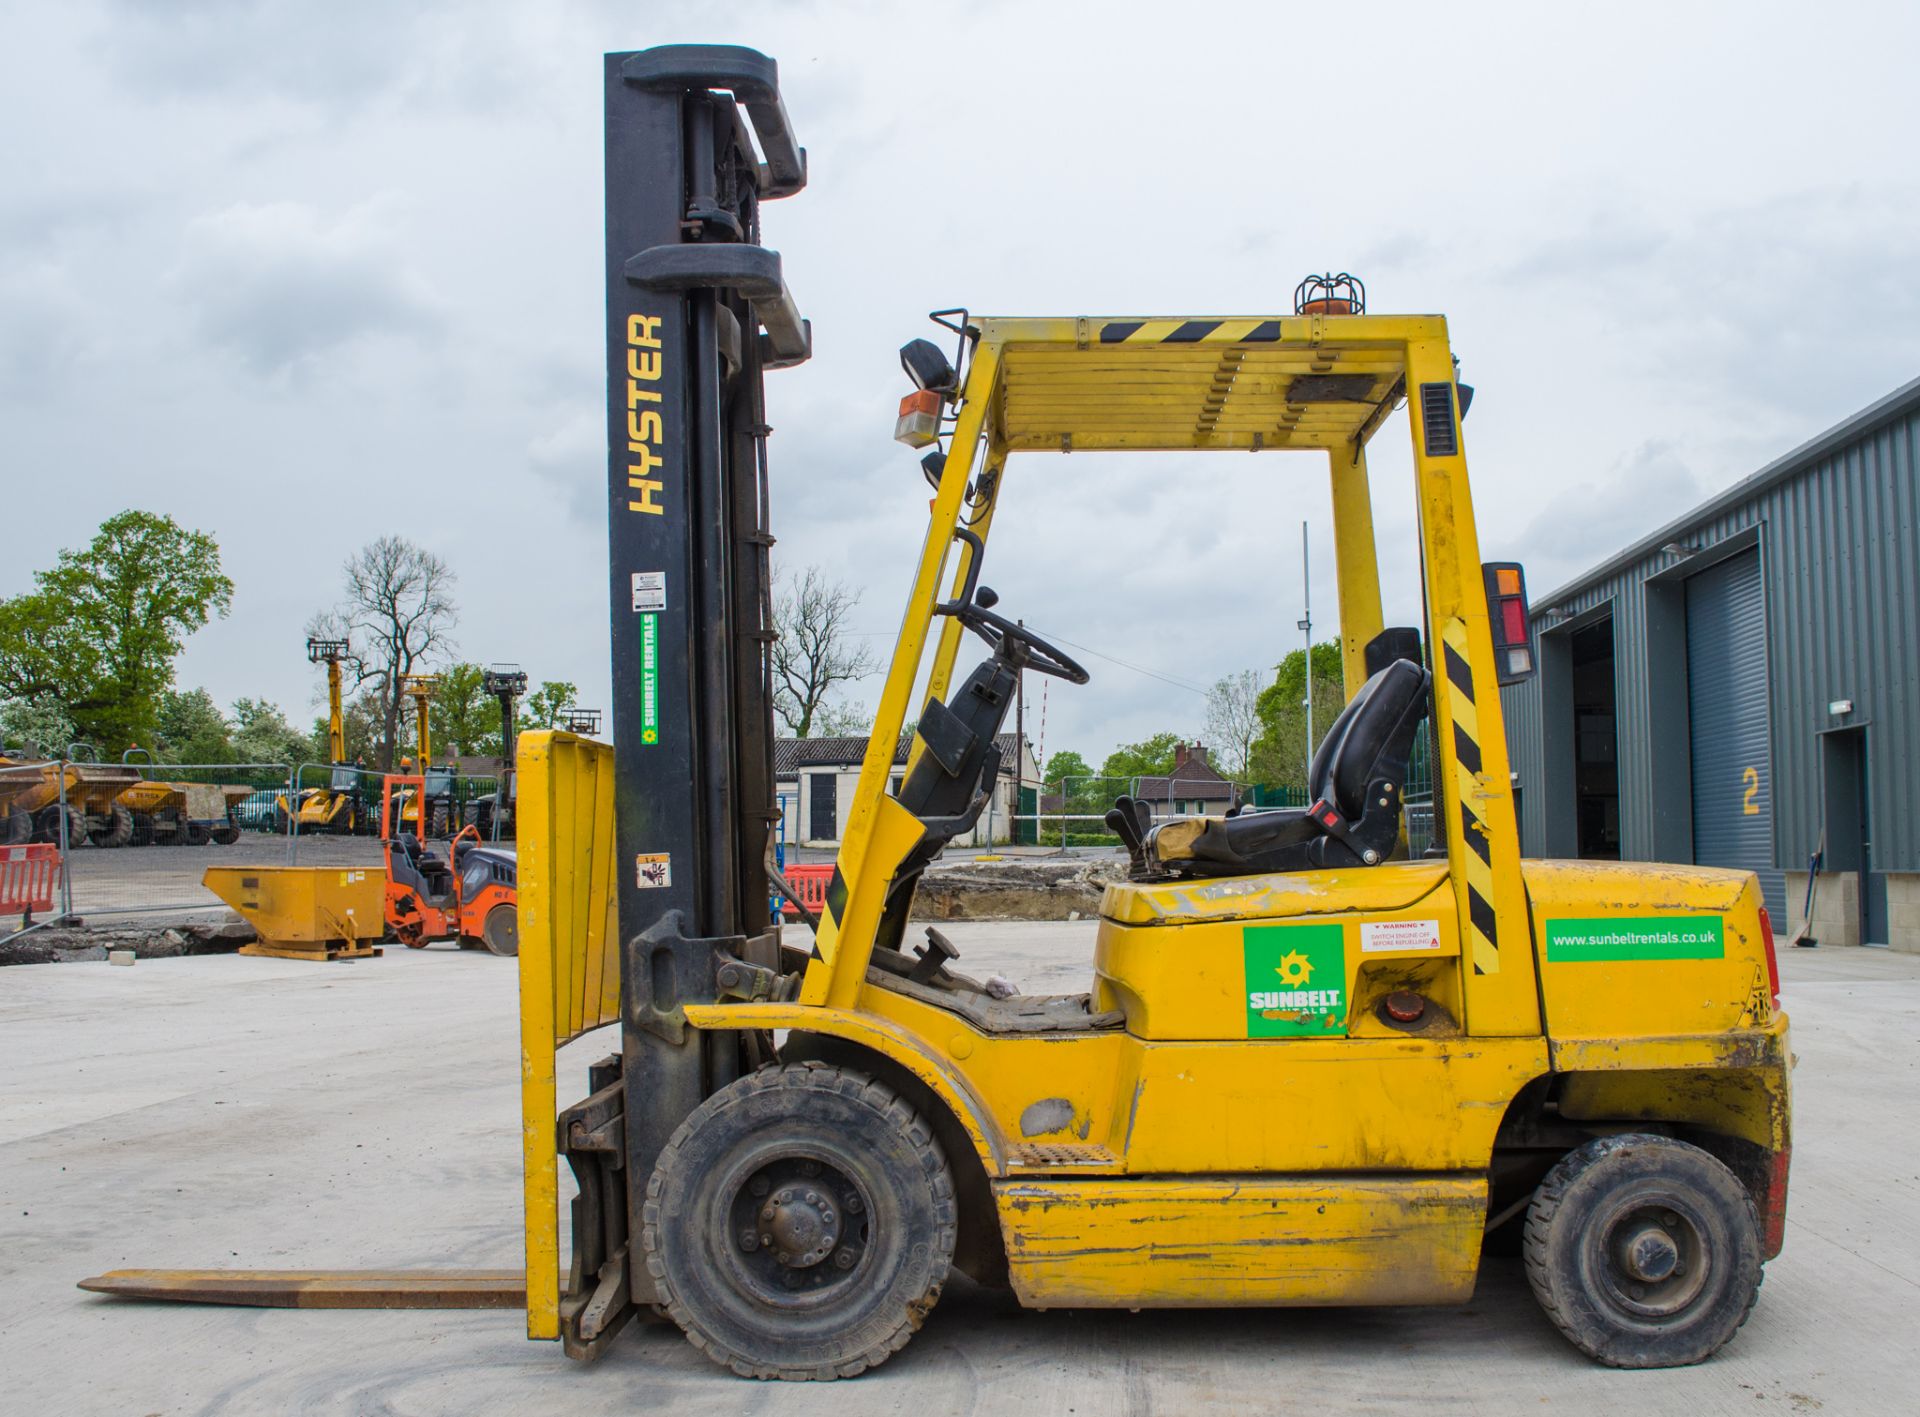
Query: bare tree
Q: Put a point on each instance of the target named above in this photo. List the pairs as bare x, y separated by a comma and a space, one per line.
1233, 719
814, 648
398, 613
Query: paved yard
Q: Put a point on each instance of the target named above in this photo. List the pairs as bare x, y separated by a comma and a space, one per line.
254, 1112
115, 885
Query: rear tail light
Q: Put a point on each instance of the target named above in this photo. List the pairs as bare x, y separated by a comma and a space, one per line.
1507, 610
1773, 959
919, 423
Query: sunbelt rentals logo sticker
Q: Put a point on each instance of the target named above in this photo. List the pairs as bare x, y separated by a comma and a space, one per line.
1296, 980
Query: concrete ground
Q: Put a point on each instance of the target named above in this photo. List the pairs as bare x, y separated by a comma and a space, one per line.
161, 882
254, 1112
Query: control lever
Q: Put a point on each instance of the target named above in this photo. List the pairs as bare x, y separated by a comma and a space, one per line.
1123, 819
932, 959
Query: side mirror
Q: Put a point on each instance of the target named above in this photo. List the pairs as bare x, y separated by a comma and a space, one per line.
1507, 612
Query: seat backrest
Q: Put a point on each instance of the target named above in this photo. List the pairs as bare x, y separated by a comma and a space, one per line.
1373, 728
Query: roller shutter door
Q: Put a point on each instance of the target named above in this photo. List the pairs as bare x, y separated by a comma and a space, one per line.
1727, 710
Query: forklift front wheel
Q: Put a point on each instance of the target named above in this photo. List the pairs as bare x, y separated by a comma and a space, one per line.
799, 1225
1644, 1251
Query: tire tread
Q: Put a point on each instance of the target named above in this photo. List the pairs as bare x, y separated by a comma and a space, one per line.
1548, 1199
811, 1075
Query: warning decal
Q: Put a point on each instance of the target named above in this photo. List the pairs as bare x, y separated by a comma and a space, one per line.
1386, 935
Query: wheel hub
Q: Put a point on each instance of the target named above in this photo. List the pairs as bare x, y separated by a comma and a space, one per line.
802, 1225
1650, 1255
796, 1229
1656, 1260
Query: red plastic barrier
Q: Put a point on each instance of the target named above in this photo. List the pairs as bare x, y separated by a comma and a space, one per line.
810, 884
28, 875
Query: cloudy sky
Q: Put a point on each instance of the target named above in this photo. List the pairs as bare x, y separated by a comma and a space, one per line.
304, 274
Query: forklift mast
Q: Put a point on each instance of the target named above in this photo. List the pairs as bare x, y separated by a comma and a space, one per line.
420, 687
506, 683
697, 311
330, 653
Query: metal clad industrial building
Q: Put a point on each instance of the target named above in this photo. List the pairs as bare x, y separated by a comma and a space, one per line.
1641, 737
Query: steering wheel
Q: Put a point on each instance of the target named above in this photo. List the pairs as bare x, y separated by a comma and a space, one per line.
1014, 641
974, 609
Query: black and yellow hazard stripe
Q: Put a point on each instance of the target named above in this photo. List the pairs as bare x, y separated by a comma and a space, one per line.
836, 908
1483, 944
1236, 331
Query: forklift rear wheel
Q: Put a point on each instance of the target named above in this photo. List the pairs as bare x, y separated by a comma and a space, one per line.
500, 932
1645, 1251
800, 1223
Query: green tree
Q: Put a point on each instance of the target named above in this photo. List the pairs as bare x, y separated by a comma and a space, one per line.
1279, 755
191, 729
1150, 757
263, 734
1063, 765
547, 704
35, 725
1233, 720
466, 719
99, 633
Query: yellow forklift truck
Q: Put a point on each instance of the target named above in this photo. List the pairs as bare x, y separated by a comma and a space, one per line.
435, 787
491, 813
343, 806
1308, 1067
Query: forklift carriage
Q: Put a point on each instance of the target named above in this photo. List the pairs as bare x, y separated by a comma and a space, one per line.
1306, 1069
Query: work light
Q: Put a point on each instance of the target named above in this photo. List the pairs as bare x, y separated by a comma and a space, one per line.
927, 366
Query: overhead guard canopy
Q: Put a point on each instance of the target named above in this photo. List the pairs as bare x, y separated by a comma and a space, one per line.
1247, 382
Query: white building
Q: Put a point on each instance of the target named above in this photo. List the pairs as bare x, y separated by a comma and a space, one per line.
815, 778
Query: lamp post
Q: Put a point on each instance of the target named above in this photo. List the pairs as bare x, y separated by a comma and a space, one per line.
1305, 625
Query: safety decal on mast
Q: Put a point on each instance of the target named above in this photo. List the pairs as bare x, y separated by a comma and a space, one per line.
649, 591
1483, 926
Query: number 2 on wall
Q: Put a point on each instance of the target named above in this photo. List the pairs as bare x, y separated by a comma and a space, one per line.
1748, 804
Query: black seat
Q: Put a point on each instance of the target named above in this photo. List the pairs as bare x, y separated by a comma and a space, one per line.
432, 877
1357, 777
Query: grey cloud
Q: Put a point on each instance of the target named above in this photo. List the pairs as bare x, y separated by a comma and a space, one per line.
571, 458
1586, 521
342, 52
279, 286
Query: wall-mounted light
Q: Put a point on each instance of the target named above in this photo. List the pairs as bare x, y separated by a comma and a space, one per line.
1839, 707
1681, 548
